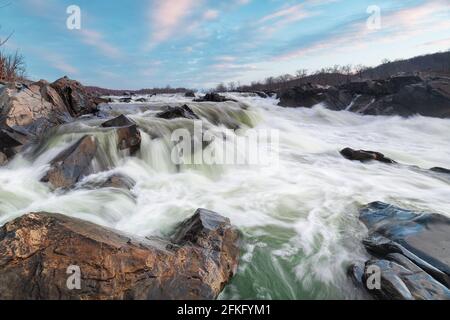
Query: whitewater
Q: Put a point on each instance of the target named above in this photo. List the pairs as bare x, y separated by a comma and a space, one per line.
298, 218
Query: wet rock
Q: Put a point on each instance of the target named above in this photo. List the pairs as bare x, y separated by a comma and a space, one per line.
141, 100
309, 95
440, 170
178, 112
75, 96
190, 94
72, 164
364, 155
213, 97
261, 94
128, 134
404, 95
125, 100
118, 181
412, 251
37, 249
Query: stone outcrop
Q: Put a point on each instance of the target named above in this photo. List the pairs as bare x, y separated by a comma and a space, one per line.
399, 95
213, 97
128, 135
364, 155
72, 164
412, 251
178, 112
75, 96
38, 249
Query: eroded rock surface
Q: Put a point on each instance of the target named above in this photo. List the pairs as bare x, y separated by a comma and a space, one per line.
128, 134
37, 249
72, 164
412, 251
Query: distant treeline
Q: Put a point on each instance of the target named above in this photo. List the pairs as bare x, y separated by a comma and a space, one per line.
336, 75
113, 92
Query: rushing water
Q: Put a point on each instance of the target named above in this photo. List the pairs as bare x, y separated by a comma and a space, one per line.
299, 219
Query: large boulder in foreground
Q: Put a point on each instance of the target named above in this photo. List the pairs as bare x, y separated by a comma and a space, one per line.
37, 249
412, 251
72, 164
128, 135
75, 96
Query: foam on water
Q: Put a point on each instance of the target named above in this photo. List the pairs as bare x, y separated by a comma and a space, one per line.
299, 219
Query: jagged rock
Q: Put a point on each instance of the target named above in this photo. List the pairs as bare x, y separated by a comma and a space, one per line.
440, 170
37, 249
363, 155
189, 94
213, 97
309, 95
412, 250
399, 95
75, 96
72, 164
128, 134
178, 112
31, 108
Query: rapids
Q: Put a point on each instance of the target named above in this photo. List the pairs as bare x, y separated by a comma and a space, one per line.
299, 218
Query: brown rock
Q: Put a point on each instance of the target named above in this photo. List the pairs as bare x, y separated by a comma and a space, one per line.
128, 134
75, 96
3, 159
364, 155
37, 249
72, 164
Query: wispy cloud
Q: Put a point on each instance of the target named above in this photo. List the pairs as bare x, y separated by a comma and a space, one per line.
167, 16
96, 39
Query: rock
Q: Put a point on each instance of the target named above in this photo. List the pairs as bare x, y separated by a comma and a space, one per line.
141, 100
37, 249
128, 134
309, 95
31, 108
75, 96
189, 94
363, 155
72, 164
3, 159
412, 250
261, 94
125, 100
405, 95
11, 141
404, 282
118, 181
440, 170
213, 97
178, 112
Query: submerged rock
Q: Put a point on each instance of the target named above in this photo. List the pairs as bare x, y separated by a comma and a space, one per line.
128, 134
412, 251
178, 112
118, 181
72, 164
38, 250
440, 170
364, 155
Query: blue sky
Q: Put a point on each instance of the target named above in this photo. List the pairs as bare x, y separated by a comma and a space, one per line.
198, 43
